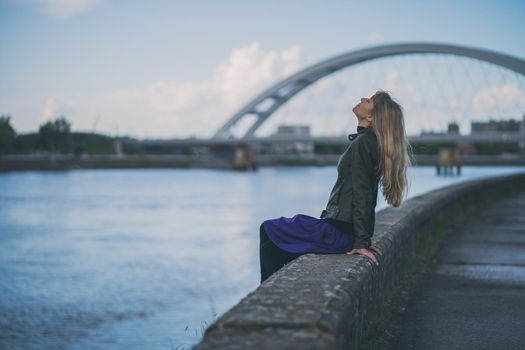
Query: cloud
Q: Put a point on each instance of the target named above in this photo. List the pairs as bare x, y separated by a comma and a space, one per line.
62, 8
506, 99
199, 108
246, 72
292, 58
50, 109
169, 108
250, 69
374, 37
169, 96
391, 81
53, 108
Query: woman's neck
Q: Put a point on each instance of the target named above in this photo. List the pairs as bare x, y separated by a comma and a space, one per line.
364, 123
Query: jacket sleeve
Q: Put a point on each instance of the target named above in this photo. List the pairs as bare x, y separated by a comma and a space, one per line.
362, 174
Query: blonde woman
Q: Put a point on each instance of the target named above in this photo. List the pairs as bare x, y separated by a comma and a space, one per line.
378, 156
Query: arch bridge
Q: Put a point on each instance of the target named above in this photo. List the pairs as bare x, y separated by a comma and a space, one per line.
270, 100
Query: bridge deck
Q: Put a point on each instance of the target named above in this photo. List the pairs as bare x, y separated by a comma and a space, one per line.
473, 296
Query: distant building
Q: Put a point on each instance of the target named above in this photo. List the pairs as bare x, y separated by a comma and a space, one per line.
292, 131
510, 125
453, 128
431, 132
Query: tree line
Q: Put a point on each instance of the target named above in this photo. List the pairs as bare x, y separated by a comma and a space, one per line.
54, 136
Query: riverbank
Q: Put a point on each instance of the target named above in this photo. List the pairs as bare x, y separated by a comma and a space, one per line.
69, 162
330, 301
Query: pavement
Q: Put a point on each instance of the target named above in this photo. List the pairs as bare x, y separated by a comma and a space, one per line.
474, 294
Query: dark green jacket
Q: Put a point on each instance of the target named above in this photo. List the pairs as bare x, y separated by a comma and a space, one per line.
354, 196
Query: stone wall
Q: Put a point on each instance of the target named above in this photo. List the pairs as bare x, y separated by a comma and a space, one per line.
327, 301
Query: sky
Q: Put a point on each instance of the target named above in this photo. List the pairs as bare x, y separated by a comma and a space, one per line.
163, 69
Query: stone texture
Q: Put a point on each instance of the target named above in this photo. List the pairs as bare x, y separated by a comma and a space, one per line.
323, 301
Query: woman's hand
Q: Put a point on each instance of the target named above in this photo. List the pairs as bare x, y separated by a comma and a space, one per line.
377, 250
368, 253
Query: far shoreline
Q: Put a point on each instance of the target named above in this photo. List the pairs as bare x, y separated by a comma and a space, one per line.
72, 162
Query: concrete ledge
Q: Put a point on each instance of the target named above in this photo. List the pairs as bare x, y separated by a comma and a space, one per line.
327, 301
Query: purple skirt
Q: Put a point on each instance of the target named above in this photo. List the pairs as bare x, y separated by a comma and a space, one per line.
306, 234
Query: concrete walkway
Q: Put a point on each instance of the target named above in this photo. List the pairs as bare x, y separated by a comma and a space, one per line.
474, 294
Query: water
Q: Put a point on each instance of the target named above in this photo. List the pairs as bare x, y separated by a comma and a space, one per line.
145, 259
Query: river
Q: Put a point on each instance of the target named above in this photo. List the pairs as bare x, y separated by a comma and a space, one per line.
145, 259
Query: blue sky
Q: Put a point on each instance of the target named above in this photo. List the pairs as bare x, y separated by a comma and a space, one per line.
180, 68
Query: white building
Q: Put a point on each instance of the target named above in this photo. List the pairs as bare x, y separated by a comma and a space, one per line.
293, 131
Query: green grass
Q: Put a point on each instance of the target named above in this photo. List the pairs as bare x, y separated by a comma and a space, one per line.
197, 332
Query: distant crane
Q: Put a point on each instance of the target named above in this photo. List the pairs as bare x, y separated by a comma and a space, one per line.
95, 123
117, 144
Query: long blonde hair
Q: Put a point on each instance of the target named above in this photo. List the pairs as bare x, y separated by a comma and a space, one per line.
395, 152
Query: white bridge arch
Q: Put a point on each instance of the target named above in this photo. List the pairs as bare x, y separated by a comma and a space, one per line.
280, 93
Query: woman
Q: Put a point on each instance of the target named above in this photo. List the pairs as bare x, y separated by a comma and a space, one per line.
378, 154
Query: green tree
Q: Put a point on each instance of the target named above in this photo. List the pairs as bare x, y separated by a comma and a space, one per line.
55, 135
7, 134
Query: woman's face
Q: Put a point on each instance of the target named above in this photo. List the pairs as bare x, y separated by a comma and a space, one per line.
363, 110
